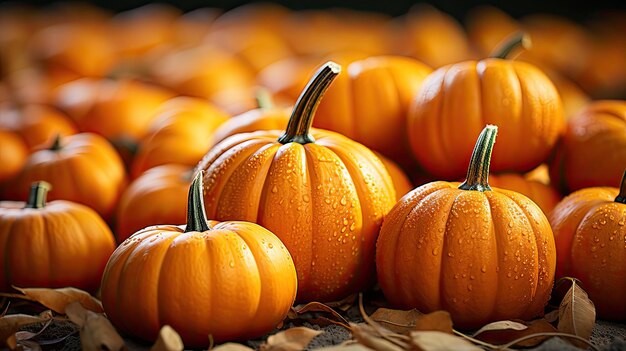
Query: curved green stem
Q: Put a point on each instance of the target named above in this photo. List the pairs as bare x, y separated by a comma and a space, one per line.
304, 110
38, 194
196, 215
510, 43
621, 197
478, 171
56, 144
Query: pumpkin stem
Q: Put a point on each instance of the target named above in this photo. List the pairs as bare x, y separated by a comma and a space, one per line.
304, 110
478, 171
56, 144
196, 215
264, 98
510, 43
621, 197
38, 194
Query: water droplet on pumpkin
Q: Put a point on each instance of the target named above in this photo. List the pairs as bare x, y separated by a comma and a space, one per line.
274, 189
483, 269
231, 264
343, 201
435, 251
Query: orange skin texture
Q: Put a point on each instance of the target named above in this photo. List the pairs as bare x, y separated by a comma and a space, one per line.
62, 244
591, 246
324, 200
13, 154
482, 256
400, 180
545, 196
235, 281
37, 124
449, 111
180, 133
158, 196
370, 103
86, 170
592, 151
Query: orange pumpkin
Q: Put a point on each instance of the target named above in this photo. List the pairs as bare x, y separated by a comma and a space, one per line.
593, 149
400, 180
237, 273
481, 254
487, 26
158, 196
591, 245
322, 194
449, 109
13, 154
545, 196
181, 133
83, 168
37, 124
52, 245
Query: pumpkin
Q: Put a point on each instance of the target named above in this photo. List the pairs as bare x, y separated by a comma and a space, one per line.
192, 27
449, 109
13, 154
52, 245
370, 104
181, 133
481, 254
400, 180
158, 196
36, 124
83, 168
545, 196
591, 245
488, 26
593, 149
230, 280
321, 193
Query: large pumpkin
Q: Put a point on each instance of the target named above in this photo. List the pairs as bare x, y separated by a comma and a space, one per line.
158, 196
481, 254
592, 151
455, 102
83, 168
230, 280
322, 194
591, 245
52, 245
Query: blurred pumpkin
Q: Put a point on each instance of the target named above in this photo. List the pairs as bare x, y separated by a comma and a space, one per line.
590, 240
13, 154
83, 168
592, 151
483, 254
157, 196
52, 245
572, 96
545, 196
181, 132
245, 270
321, 193
514, 95
191, 28
488, 26
263, 15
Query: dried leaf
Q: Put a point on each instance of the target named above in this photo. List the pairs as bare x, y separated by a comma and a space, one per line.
96, 332
294, 339
58, 299
552, 316
435, 321
396, 320
168, 340
343, 304
231, 346
347, 346
318, 307
10, 324
27, 345
577, 314
439, 341
504, 332
368, 336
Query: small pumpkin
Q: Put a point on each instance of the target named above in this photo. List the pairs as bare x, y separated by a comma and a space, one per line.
321, 193
13, 154
230, 280
591, 245
83, 168
481, 254
592, 151
157, 196
52, 245
516, 96
487, 26
545, 196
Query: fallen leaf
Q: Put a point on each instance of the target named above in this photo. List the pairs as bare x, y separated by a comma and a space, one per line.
294, 339
58, 299
168, 340
351, 345
28, 345
20, 338
435, 321
96, 332
505, 332
231, 346
398, 321
343, 304
577, 314
318, 307
439, 341
552, 316
10, 324
366, 335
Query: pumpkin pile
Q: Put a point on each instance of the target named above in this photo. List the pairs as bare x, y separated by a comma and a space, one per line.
246, 160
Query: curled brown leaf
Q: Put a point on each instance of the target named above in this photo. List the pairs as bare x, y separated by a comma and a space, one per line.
96, 332
399, 321
439, 341
58, 299
368, 336
435, 321
504, 332
577, 314
168, 340
293, 339
12, 323
298, 312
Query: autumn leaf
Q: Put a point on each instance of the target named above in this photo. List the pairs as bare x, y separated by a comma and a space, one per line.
504, 332
294, 339
577, 314
343, 304
398, 321
318, 307
58, 299
96, 332
347, 346
368, 336
12, 323
439, 341
231, 346
552, 316
435, 321
23, 338
168, 340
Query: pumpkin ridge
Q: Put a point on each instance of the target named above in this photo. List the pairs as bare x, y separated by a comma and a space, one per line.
442, 113
8, 241
442, 301
492, 233
523, 98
